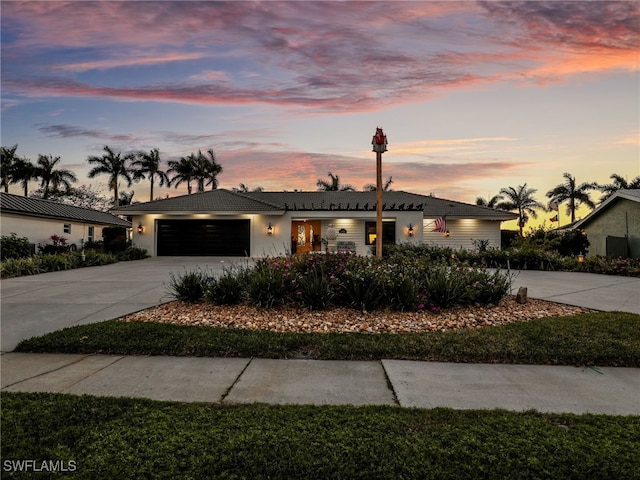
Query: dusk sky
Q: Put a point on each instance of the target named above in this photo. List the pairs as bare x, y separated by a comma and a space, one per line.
473, 96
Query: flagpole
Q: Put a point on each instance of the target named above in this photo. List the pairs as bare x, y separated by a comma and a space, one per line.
379, 143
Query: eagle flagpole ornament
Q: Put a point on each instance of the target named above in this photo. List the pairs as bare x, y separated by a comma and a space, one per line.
379, 143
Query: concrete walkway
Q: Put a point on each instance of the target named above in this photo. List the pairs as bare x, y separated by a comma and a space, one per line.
551, 389
48, 302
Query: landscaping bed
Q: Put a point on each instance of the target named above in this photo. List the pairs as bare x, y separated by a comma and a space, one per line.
346, 320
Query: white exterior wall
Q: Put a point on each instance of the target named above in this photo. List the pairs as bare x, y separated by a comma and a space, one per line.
39, 230
462, 233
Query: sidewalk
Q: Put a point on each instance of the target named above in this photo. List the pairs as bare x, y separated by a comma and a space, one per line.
554, 389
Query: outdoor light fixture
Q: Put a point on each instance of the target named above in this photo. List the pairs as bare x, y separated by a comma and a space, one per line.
269, 229
447, 233
140, 229
580, 258
411, 230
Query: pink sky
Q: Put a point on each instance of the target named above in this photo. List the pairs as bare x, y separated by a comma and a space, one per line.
474, 96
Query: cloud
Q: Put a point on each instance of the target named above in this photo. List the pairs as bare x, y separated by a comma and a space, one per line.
128, 60
358, 57
70, 131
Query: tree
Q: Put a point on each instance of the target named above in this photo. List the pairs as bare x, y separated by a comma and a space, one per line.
84, 196
147, 165
370, 187
576, 195
491, 203
334, 185
23, 171
126, 198
207, 169
51, 178
619, 183
115, 165
242, 188
520, 199
182, 171
8, 157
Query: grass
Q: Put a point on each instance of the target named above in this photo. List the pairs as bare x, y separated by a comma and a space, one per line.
126, 438
602, 338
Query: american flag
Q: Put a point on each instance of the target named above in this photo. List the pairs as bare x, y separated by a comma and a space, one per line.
440, 224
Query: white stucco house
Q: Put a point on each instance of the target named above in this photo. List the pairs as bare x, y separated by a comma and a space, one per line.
39, 219
225, 223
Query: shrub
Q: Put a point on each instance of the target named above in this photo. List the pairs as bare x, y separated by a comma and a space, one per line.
362, 290
269, 284
132, 253
190, 286
12, 246
227, 289
441, 288
313, 289
114, 239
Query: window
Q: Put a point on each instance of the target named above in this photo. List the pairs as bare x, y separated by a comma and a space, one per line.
90, 234
388, 232
66, 228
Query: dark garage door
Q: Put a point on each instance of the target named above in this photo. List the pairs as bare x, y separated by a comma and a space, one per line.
224, 238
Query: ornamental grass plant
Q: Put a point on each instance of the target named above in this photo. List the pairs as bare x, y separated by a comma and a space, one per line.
320, 281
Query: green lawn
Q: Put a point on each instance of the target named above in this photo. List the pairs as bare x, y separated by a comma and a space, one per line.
125, 438
603, 338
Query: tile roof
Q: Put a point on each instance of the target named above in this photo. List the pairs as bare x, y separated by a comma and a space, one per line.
224, 201
219, 200
37, 207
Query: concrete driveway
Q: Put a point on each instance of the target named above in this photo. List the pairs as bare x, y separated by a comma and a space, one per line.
39, 304
43, 303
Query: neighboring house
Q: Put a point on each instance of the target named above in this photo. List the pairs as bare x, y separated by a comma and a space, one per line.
39, 219
613, 228
224, 223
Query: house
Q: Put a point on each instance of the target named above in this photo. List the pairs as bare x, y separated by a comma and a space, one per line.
39, 219
225, 223
613, 228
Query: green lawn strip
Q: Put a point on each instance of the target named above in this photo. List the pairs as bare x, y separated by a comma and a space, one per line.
603, 338
127, 438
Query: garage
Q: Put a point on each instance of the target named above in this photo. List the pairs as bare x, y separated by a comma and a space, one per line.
220, 238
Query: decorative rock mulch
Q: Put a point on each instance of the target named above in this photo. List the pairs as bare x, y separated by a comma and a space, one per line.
291, 319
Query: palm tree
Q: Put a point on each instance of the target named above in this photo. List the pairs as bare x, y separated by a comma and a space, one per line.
334, 185
242, 188
207, 169
126, 198
8, 156
619, 183
51, 178
520, 199
148, 165
491, 203
115, 165
370, 187
24, 171
568, 191
182, 171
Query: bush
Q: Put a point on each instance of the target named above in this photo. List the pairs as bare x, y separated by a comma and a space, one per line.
43, 263
190, 286
12, 246
132, 253
362, 290
314, 289
269, 284
227, 289
114, 239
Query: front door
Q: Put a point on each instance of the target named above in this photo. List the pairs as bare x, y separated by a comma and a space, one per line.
305, 236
